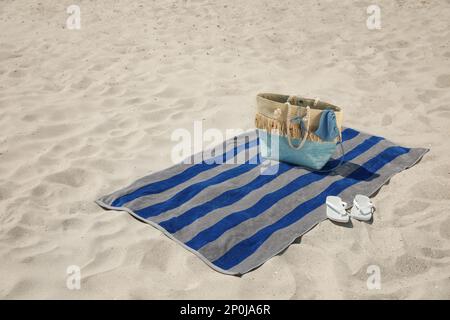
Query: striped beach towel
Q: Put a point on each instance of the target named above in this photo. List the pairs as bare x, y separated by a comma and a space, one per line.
235, 211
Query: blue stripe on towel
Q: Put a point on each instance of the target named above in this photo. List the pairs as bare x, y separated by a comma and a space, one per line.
348, 134
189, 173
229, 197
230, 221
188, 193
247, 247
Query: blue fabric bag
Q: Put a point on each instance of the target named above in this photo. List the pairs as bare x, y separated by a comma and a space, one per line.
313, 155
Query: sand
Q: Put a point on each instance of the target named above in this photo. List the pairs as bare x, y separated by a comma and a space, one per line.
86, 112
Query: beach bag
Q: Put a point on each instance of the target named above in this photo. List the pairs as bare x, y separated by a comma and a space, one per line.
298, 130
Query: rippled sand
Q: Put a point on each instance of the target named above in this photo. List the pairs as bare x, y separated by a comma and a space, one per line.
85, 112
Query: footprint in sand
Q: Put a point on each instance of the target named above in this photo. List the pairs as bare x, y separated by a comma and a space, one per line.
411, 207
431, 189
427, 95
133, 101
5, 192
387, 120
82, 84
19, 288
444, 229
442, 171
17, 74
52, 131
158, 257
410, 265
104, 261
113, 90
19, 235
435, 253
72, 177
30, 117
72, 224
443, 81
41, 190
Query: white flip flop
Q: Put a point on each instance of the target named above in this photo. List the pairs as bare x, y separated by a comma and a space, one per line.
362, 208
336, 209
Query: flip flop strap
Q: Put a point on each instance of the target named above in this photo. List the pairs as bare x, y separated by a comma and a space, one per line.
370, 207
332, 206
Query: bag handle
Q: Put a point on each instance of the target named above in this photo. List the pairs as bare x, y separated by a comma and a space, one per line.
288, 121
308, 116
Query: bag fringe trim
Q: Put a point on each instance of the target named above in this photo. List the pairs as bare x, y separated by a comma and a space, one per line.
279, 127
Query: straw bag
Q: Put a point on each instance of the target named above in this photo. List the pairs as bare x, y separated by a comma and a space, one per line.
288, 129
